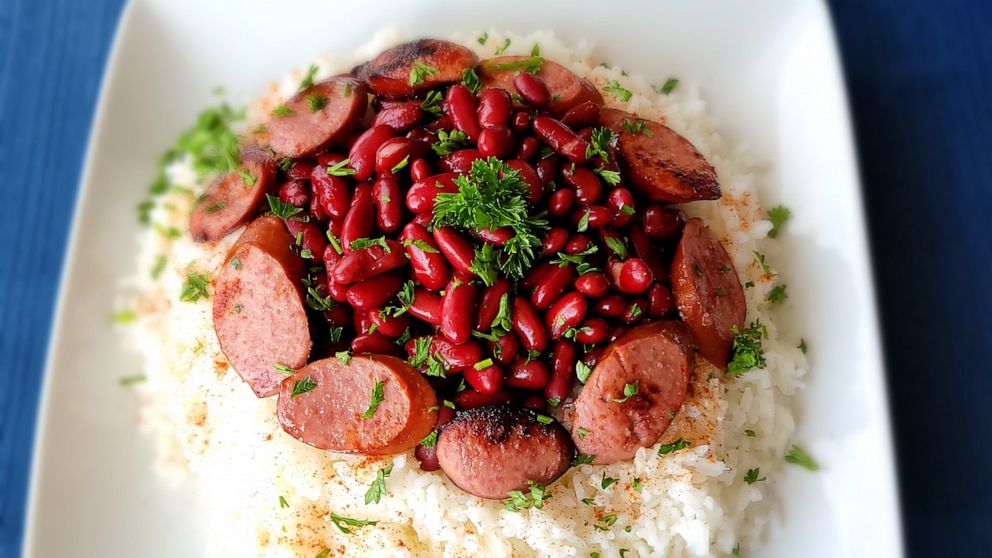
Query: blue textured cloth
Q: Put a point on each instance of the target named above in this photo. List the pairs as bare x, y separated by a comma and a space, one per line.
920, 80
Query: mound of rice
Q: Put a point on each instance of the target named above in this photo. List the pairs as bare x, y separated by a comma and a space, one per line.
266, 494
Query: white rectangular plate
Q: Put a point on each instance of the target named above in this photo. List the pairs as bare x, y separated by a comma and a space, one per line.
770, 73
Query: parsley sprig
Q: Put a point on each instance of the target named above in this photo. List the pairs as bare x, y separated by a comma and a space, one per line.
747, 351
535, 497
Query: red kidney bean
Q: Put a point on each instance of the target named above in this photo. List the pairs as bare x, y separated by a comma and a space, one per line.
421, 195
520, 122
361, 264
587, 186
442, 123
401, 117
611, 306
593, 284
376, 343
376, 291
563, 357
551, 286
529, 176
586, 134
561, 138
455, 248
592, 331
532, 89
427, 457
527, 324
423, 219
581, 115
394, 151
635, 276
578, 243
338, 291
616, 333
662, 223
495, 108
329, 159
457, 355
426, 306
621, 202
393, 326
430, 269
330, 193
457, 307
561, 202
496, 142
295, 192
612, 268
462, 276
535, 275
497, 237
420, 169
645, 250
460, 105
486, 381
660, 303
299, 170
534, 402
524, 374
362, 154
568, 311
362, 323
635, 311
599, 216
339, 315
591, 358
359, 222
505, 350
470, 399
547, 169
312, 240
527, 149
554, 240
489, 304
388, 203
461, 161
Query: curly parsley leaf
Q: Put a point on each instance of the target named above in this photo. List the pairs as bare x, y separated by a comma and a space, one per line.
747, 351
195, 287
613, 86
674, 446
535, 497
419, 72
778, 215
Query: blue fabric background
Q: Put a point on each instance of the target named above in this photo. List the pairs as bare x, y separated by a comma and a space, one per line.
920, 80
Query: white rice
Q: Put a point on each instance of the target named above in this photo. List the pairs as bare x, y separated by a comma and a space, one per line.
213, 431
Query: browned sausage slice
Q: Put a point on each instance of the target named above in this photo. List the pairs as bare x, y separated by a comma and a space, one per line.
318, 116
661, 163
232, 199
657, 359
258, 309
566, 88
326, 404
409, 68
707, 292
489, 451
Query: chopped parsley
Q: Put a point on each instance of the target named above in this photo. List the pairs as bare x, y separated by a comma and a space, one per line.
324, 553
316, 102
583, 460
421, 245
778, 215
611, 177
158, 267
308, 77
124, 317
484, 264
613, 86
282, 502
544, 419
777, 294
430, 440
583, 224
588, 501
751, 476
797, 456
131, 380
617, 246
535, 497
802, 346
341, 169
420, 72
282, 110
761, 261
363, 243
432, 102
502, 48
606, 482
667, 87
749, 433
470, 79
736, 551
282, 369
582, 371
581, 432
342, 523
635, 311
236, 263
405, 296
530, 64
601, 140
378, 396
302, 386
607, 521
747, 351
629, 390
674, 446
636, 485
397, 168
344, 357
492, 195
195, 287
378, 487
280, 208
448, 142
483, 38
637, 127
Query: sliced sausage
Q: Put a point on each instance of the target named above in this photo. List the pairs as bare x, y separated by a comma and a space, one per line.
327, 403
233, 198
489, 451
318, 117
707, 292
567, 89
660, 163
657, 359
409, 68
258, 310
